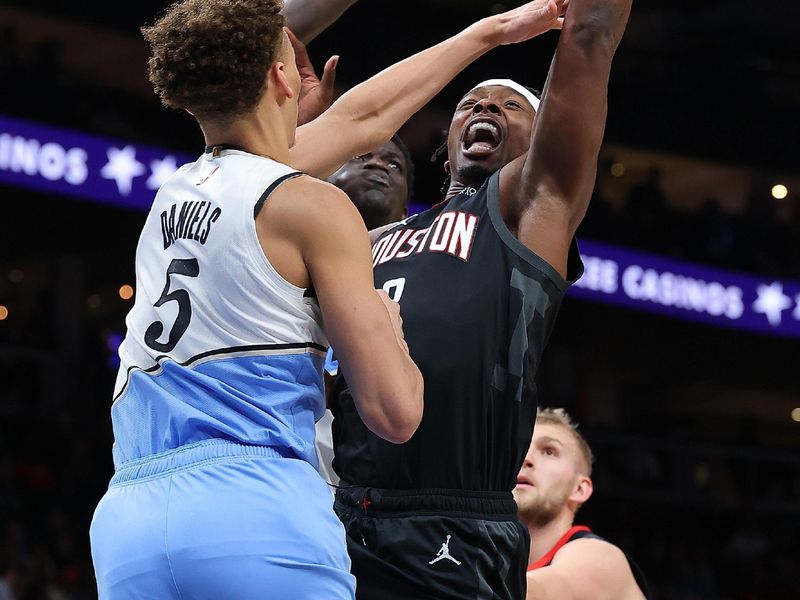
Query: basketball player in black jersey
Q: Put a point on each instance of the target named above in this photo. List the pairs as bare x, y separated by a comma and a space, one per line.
567, 561
379, 183
479, 279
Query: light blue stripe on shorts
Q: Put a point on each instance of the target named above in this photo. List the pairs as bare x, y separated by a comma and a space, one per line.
216, 520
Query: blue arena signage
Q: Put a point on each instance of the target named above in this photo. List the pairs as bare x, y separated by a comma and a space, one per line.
641, 281
89, 167
125, 174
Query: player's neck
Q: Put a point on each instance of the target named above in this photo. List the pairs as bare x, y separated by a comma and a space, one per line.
252, 133
457, 187
544, 537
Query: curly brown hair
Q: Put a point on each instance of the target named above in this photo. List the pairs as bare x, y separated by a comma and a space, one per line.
211, 57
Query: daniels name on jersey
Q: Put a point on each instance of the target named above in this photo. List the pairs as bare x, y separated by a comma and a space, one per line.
192, 221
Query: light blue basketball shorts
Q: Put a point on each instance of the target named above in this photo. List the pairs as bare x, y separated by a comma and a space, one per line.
219, 520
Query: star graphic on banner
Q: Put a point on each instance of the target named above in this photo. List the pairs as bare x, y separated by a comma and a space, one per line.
160, 171
797, 307
772, 302
122, 167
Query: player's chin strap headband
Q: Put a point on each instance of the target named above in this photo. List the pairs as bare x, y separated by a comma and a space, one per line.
510, 83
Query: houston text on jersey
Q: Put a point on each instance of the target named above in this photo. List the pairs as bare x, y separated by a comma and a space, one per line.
451, 232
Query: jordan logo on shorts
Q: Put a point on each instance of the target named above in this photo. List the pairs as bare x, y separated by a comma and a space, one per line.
444, 552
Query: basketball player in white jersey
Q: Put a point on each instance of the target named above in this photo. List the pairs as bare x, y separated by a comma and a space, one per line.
240, 262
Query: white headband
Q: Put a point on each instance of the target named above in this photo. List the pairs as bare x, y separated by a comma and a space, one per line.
510, 83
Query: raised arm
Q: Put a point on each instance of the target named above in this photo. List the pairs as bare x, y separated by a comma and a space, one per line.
369, 114
308, 18
545, 193
314, 237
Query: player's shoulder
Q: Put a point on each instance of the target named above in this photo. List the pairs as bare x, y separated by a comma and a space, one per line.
305, 190
593, 556
593, 562
309, 205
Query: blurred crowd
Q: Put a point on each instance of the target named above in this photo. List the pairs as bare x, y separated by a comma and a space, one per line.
762, 239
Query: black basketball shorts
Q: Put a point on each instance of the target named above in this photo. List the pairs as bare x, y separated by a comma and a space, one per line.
434, 544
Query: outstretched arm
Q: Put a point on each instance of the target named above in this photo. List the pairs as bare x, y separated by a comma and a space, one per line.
544, 194
369, 114
308, 18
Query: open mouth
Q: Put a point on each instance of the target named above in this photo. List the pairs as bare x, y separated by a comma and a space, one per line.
482, 138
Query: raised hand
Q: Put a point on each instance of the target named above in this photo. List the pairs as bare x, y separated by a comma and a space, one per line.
316, 94
528, 21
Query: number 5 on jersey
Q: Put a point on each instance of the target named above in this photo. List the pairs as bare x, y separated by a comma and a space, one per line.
188, 267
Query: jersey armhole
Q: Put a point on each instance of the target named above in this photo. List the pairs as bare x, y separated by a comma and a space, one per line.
272, 187
574, 262
257, 252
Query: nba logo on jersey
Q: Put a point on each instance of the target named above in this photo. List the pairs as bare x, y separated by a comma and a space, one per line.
452, 232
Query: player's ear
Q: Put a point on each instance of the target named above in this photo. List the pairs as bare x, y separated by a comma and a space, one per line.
447, 167
583, 490
279, 78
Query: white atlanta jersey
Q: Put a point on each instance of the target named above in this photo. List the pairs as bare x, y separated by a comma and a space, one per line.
219, 345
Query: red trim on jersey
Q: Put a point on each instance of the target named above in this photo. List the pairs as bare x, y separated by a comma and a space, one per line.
548, 558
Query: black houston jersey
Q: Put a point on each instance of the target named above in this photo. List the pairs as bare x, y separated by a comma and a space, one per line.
477, 307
